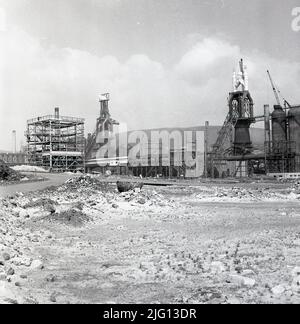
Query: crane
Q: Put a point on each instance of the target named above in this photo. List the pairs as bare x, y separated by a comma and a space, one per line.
277, 93
274, 89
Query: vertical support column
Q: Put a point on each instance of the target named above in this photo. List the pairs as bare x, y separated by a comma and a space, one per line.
206, 138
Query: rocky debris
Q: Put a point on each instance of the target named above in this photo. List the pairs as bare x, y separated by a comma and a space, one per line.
51, 278
53, 298
296, 280
72, 217
238, 194
296, 284
128, 186
6, 256
278, 290
97, 196
296, 272
149, 198
2, 276
217, 267
16, 242
241, 281
108, 173
10, 271
22, 261
44, 203
37, 265
6, 295
23, 213
91, 181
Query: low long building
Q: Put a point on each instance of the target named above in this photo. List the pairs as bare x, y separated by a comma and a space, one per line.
153, 153
14, 158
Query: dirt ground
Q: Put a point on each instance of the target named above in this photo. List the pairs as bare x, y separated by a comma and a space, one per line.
83, 242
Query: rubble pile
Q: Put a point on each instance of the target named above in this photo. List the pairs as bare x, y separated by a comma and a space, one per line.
244, 195
44, 203
87, 181
17, 242
85, 199
71, 217
8, 174
150, 198
97, 192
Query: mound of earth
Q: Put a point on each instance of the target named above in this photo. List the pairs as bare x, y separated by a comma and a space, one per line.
8, 174
45, 203
72, 217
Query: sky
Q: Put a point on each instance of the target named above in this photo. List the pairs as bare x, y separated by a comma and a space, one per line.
166, 63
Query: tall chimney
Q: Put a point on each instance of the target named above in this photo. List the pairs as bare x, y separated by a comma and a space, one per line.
56, 113
14, 140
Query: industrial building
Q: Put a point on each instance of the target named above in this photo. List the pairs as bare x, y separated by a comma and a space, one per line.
121, 162
280, 153
235, 149
166, 161
283, 146
56, 143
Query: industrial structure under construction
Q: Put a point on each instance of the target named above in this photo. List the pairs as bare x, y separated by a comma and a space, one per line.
56, 143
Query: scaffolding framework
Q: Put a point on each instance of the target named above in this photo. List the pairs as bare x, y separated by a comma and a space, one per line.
281, 157
56, 143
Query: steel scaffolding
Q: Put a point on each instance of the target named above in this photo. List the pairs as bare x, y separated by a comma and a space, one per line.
56, 142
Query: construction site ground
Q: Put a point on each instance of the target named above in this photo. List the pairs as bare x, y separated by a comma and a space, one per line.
46, 181
80, 241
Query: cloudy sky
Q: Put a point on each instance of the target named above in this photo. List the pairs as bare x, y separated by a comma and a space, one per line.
165, 62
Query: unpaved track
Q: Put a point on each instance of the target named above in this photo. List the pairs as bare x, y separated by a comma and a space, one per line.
53, 180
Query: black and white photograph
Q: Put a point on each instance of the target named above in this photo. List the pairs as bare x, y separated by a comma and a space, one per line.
149, 154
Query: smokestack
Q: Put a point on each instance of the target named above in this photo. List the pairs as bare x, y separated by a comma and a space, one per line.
56, 114
14, 140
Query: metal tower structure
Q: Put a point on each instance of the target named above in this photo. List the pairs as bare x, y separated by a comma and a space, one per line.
237, 122
104, 127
